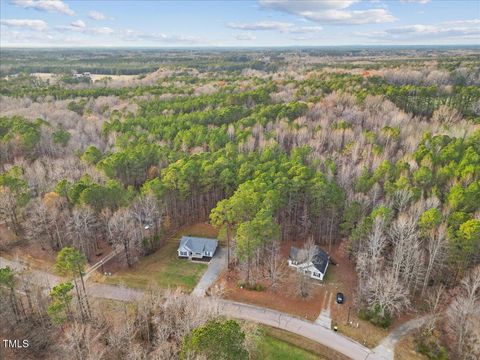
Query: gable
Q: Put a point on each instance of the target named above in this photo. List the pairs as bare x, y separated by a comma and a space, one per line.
183, 248
198, 245
319, 261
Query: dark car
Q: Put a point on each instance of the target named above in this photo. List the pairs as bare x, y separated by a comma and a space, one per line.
340, 298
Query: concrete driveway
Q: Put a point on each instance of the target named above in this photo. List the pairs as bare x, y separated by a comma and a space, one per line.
215, 267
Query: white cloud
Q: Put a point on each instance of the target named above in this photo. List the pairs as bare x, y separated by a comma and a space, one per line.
450, 30
19, 38
245, 36
473, 22
330, 11
283, 27
38, 25
78, 24
130, 35
415, 1
262, 25
306, 29
45, 5
96, 15
80, 27
104, 30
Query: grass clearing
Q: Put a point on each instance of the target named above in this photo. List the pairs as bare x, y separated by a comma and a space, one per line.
366, 334
163, 268
273, 349
280, 344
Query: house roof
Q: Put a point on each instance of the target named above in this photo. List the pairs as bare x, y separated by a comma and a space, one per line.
320, 258
198, 244
294, 254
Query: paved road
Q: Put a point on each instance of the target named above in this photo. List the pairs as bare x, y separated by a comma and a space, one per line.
298, 326
94, 289
258, 314
39, 277
215, 267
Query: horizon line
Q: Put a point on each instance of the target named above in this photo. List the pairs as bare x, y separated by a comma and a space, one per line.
238, 47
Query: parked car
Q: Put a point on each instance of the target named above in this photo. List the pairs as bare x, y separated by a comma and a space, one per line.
340, 298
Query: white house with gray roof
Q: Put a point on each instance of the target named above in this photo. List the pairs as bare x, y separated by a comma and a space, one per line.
197, 247
314, 265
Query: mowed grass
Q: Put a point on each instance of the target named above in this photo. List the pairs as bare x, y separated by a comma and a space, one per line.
283, 345
275, 349
163, 268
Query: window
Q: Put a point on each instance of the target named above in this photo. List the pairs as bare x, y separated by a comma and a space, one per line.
183, 253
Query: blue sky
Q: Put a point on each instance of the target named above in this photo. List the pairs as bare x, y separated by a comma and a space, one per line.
42, 23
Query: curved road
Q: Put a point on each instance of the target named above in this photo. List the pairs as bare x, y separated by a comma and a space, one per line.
295, 325
265, 316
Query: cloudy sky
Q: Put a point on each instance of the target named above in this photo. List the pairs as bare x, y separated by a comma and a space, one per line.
43, 23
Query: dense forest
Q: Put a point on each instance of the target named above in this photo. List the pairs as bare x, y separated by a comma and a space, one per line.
269, 147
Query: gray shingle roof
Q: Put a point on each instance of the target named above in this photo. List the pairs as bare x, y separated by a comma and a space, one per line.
294, 254
198, 244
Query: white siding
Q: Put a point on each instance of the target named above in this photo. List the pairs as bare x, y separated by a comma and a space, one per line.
308, 269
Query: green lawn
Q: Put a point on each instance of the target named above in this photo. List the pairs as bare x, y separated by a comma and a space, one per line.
163, 269
284, 345
276, 349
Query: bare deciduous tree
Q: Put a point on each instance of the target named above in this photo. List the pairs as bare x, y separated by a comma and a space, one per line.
147, 215
436, 248
303, 284
275, 264
407, 261
433, 302
370, 258
446, 115
82, 230
178, 314
123, 232
463, 317
9, 208
388, 293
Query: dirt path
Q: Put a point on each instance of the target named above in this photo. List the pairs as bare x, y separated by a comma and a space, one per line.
101, 262
385, 350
